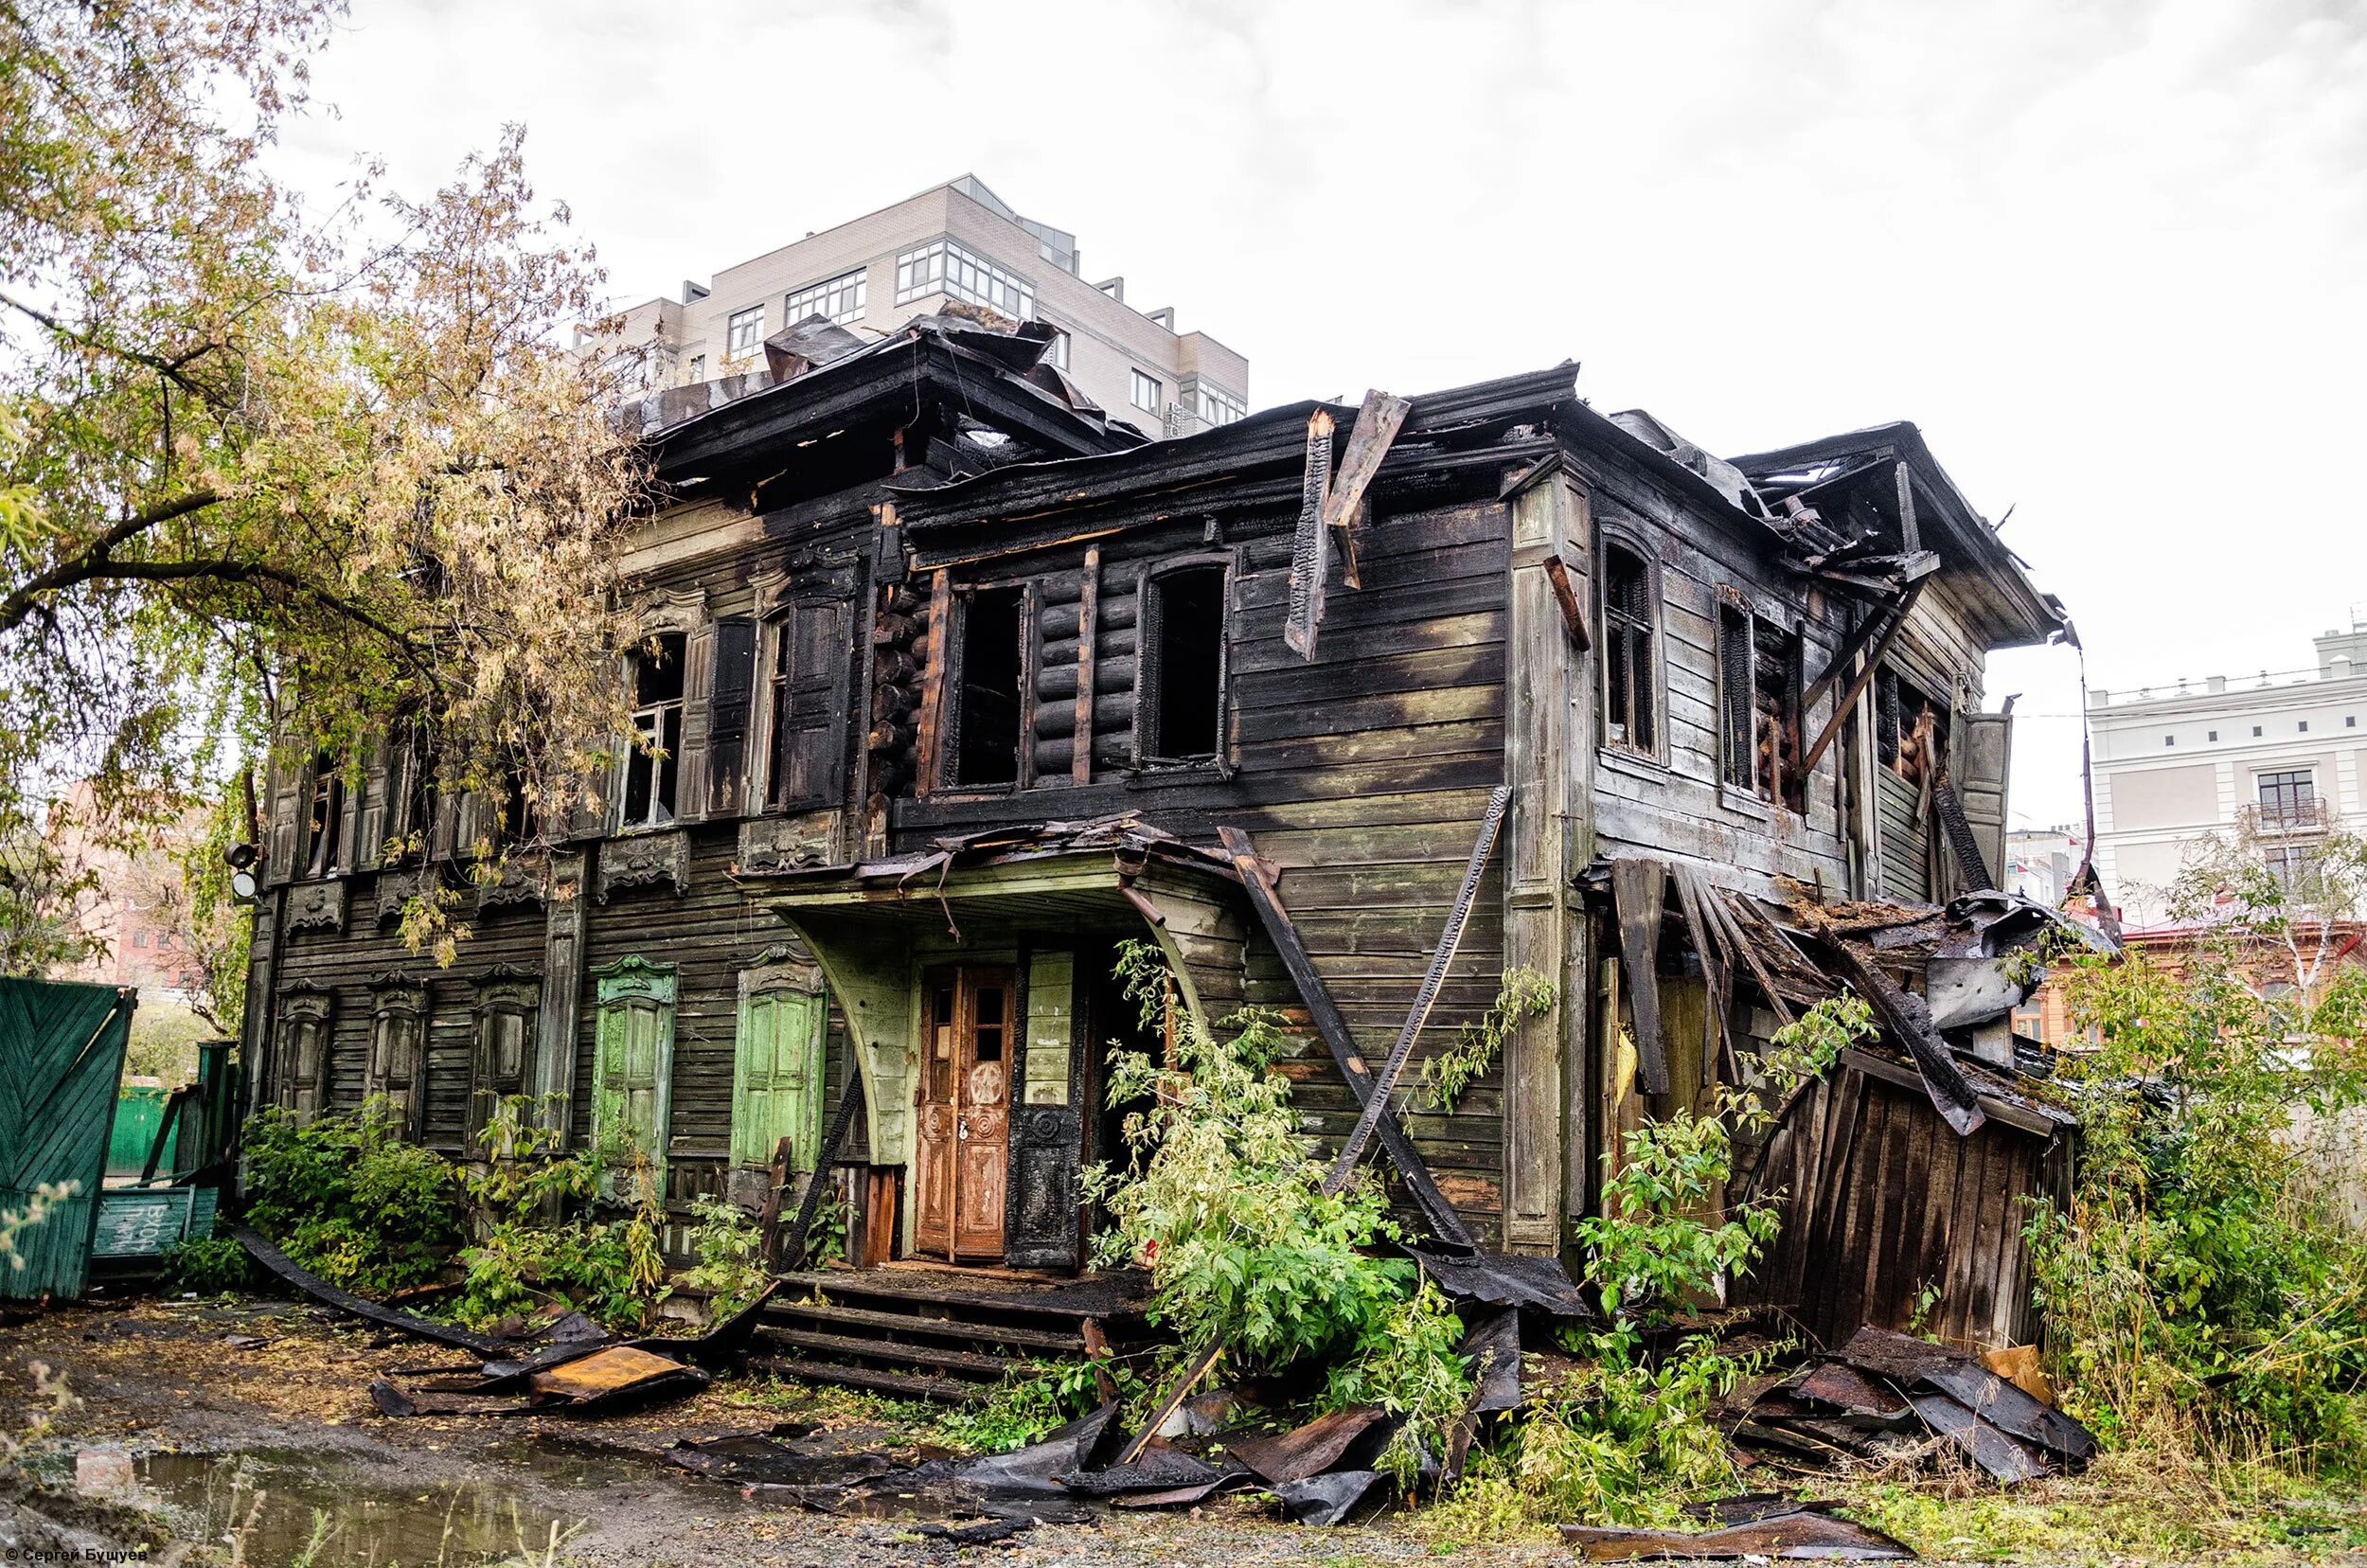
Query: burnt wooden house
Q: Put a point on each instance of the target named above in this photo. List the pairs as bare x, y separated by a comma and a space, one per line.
954, 683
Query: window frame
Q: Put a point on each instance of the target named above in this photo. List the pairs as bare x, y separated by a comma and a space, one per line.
504, 991
854, 283
635, 756
1148, 609
753, 315
617, 988
1058, 352
324, 819
964, 595
2296, 788
1650, 628
936, 266
1230, 407
1143, 378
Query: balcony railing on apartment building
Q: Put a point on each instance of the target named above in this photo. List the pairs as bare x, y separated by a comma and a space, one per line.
2314, 816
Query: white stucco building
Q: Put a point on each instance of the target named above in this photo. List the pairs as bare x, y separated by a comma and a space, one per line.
2280, 750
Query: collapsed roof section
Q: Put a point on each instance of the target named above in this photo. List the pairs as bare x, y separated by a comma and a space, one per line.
942, 397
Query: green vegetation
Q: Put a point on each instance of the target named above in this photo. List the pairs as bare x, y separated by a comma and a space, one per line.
730, 1253
1522, 994
346, 1198
204, 1266
546, 1235
1222, 1201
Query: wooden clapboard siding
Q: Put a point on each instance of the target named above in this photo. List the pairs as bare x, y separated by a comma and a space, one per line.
1880, 1198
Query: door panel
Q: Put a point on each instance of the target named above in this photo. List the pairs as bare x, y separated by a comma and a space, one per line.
1047, 1132
963, 1144
932, 1176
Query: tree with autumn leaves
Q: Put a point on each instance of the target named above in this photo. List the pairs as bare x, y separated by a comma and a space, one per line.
272, 473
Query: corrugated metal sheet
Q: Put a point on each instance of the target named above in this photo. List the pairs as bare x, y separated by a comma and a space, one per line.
61, 1055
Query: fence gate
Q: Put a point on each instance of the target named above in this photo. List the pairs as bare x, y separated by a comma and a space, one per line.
61, 1055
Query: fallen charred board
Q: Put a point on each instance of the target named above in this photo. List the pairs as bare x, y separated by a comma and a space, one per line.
1804, 1534
1980, 1392
761, 1459
585, 1380
1158, 1469
617, 1375
2002, 1457
723, 1344
1310, 1450
1851, 1392
294, 1273
1326, 1499
1504, 1279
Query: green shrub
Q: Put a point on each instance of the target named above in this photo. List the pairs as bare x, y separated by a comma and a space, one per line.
546, 1235
206, 1266
2200, 1285
730, 1249
1222, 1202
346, 1198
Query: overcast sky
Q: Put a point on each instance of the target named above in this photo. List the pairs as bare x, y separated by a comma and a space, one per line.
2111, 256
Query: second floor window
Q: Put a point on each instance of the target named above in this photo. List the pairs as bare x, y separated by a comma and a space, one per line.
985, 731
1146, 392
1181, 717
2286, 798
1220, 407
838, 299
1629, 717
324, 817
744, 333
651, 763
1057, 353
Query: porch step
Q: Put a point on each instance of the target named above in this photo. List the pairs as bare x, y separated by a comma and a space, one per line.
919, 1326
967, 1364
901, 1385
924, 1333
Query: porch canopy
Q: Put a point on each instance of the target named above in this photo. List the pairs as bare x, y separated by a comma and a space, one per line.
871, 926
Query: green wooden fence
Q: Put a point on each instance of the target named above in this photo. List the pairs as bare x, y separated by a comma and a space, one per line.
61, 1057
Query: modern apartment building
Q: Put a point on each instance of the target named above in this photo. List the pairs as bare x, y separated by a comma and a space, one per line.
2281, 753
957, 242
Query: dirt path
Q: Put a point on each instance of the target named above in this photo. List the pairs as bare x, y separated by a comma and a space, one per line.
210, 1425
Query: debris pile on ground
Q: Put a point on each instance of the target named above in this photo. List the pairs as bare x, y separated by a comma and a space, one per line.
1756, 1526
561, 1363
1889, 1397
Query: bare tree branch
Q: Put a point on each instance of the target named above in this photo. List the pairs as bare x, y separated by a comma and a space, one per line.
96, 559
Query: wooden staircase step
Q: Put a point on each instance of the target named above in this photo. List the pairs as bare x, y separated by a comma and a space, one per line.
967, 1363
903, 1386
876, 1285
926, 1327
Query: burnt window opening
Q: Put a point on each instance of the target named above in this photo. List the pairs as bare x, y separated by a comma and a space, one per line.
420, 789
652, 762
1182, 711
1910, 727
1758, 693
1629, 713
803, 696
324, 816
986, 718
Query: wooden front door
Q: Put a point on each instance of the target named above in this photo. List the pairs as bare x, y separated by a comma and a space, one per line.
965, 1115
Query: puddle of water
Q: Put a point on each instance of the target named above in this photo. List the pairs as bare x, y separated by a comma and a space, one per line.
328, 1512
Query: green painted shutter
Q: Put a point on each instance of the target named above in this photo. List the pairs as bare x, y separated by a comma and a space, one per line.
775, 1077
634, 1056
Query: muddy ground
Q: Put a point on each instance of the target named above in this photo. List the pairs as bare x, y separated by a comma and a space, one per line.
253, 1450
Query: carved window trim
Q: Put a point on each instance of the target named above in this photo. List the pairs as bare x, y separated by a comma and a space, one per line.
306, 1045
399, 1024
503, 991
1149, 613
775, 973
617, 988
